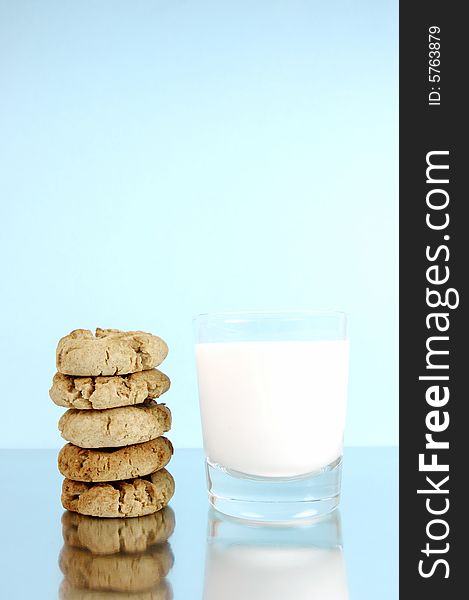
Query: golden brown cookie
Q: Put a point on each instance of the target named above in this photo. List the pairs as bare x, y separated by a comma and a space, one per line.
161, 591
111, 536
109, 352
115, 426
114, 464
107, 392
119, 572
132, 498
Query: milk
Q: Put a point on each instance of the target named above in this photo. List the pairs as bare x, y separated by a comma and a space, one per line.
273, 409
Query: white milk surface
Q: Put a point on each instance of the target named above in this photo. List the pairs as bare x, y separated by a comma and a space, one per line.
273, 409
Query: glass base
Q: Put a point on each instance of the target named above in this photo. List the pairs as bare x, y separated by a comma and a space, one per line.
274, 499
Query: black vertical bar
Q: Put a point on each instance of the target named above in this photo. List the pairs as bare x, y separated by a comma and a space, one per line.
432, 261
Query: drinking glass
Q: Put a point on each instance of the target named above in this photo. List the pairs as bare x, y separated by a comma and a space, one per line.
273, 394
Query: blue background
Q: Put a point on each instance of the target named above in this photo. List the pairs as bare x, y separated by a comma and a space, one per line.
164, 158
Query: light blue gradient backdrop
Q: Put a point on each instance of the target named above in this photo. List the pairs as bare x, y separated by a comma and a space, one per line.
163, 158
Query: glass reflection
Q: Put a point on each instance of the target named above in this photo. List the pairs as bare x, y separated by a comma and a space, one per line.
259, 562
116, 558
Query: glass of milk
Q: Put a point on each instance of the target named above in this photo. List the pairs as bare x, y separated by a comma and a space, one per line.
274, 563
273, 395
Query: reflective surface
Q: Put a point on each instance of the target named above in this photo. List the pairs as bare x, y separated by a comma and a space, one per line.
116, 558
274, 563
190, 552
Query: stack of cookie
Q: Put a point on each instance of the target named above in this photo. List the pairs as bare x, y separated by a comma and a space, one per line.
116, 558
114, 463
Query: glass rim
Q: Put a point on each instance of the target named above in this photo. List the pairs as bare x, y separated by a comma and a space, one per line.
289, 313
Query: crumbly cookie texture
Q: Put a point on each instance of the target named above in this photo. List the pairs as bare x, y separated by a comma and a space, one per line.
161, 591
109, 464
111, 536
132, 498
115, 426
107, 392
109, 352
119, 572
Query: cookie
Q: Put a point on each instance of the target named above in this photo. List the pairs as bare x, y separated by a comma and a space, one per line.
111, 536
132, 498
119, 572
114, 464
109, 352
115, 426
161, 591
107, 392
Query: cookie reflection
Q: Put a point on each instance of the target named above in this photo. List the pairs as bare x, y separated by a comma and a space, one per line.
116, 558
255, 562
